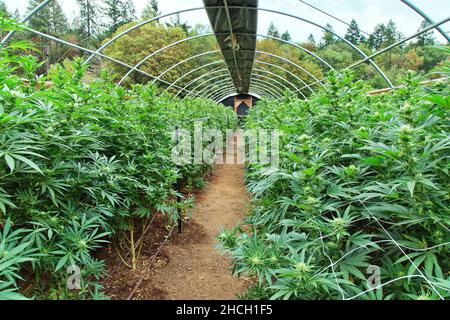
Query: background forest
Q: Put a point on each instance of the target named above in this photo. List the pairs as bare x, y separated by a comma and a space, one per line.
97, 21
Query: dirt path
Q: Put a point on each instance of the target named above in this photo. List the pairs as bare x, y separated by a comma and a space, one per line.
195, 269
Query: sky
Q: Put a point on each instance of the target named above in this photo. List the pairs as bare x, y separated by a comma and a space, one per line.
368, 13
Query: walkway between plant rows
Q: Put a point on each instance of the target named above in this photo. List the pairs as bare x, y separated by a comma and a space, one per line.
195, 269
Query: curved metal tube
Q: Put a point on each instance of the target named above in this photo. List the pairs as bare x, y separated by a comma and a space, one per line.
184, 61
259, 35
290, 62
139, 25
201, 77
268, 85
193, 71
204, 82
277, 76
33, 12
408, 3
427, 18
296, 65
205, 92
359, 51
298, 47
285, 70
209, 89
260, 76
121, 63
162, 49
215, 96
276, 81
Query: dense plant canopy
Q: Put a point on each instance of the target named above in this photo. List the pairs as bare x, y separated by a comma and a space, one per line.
362, 186
79, 164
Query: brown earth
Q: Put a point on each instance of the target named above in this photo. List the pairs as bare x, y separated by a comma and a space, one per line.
189, 266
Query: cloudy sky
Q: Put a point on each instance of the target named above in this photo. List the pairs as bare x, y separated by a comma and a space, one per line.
368, 13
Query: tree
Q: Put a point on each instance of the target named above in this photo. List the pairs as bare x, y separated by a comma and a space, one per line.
137, 44
328, 37
273, 31
427, 38
89, 15
177, 23
118, 13
151, 10
4, 10
377, 38
354, 34
391, 34
51, 19
311, 39
286, 36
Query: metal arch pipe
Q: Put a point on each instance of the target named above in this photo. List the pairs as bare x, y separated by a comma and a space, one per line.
399, 43
266, 93
192, 71
46, 2
359, 51
208, 90
253, 94
394, 45
267, 85
296, 65
201, 77
121, 63
204, 82
184, 61
279, 77
139, 25
205, 92
256, 82
162, 49
221, 93
257, 75
199, 8
298, 47
259, 35
33, 12
283, 69
288, 61
427, 18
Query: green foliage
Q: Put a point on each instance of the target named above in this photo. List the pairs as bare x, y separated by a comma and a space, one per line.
362, 184
79, 163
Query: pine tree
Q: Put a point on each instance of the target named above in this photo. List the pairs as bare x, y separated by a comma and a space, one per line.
118, 12
328, 37
89, 16
177, 23
391, 34
151, 10
354, 34
273, 31
427, 38
286, 36
311, 39
51, 19
377, 38
16, 15
4, 10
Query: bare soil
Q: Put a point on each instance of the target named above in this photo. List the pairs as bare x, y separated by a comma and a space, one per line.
189, 266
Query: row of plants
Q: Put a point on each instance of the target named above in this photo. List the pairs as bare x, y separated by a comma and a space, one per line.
81, 164
359, 205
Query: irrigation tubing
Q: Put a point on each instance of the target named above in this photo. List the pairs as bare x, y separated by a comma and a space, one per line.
150, 264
